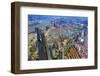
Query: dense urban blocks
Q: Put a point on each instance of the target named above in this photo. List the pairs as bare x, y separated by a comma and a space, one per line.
57, 37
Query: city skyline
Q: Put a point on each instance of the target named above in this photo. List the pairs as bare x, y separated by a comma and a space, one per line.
57, 37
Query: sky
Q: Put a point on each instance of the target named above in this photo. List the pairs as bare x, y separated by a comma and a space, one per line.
51, 17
